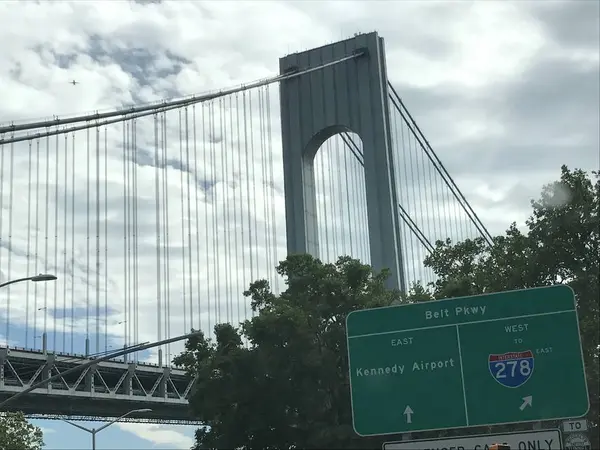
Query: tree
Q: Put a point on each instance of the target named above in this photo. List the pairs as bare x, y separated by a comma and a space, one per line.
561, 245
18, 434
289, 387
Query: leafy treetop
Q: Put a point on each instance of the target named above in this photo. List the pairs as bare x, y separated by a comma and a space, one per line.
288, 388
16, 433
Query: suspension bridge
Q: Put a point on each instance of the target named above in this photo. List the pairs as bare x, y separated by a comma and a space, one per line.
155, 218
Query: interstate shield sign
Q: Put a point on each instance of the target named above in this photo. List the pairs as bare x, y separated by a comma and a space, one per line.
511, 369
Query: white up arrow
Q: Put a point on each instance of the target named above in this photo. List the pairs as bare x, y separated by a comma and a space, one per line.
408, 413
527, 401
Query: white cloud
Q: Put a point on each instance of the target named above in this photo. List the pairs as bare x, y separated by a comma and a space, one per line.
161, 436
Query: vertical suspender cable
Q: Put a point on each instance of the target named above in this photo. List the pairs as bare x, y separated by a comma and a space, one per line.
249, 208
261, 144
354, 180
47, 161
125, 223
223, 172
133, 236
55, 284
105, 239
37, 237
410, 189
241, 191
343, 250
98, 240
136, 234
217, 134
229, 183
10, 228
267, 190
206, 185
196, 188
443, 199
333, 152
46, 221
435, 216
253, 245
421, 202
29, 171
221, 263
235, 187
1, 216
157, 169
365, 209
73, 190
189, 217
87, 265
225, 150
427, 219
322, 228
398, 156
416, 209
164, 271
130, 275
130, 237
331, 195
323, 251
215, 237
328, 201
349, 205
182, 218
263, 159
65, 212
166, 252
272, 189
460, 227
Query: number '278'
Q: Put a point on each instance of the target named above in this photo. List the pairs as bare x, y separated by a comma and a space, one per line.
502, 369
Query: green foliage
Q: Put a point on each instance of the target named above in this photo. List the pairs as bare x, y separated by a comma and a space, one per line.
18, 434
289, 387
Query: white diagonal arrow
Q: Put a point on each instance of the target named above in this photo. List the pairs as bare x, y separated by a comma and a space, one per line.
408, 413
527, 401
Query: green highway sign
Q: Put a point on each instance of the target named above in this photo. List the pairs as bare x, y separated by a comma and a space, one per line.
491, 359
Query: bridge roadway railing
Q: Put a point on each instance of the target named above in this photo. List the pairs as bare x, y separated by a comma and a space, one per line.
105, 390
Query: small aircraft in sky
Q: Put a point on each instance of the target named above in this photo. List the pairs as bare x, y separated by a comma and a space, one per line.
73, 82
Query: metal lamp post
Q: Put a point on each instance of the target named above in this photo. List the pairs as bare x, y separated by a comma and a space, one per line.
94, 431
35, 278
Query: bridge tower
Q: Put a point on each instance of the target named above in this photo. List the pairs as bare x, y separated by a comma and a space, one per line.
351, 96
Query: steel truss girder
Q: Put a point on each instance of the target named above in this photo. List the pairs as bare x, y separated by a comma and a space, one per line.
105, 390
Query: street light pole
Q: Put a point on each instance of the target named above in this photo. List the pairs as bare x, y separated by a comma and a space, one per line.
94, 431
35, 278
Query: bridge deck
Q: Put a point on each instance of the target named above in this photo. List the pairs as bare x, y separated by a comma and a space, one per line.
105, 390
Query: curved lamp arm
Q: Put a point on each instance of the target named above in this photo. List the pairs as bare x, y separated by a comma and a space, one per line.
35, 278
122, 417
78, 426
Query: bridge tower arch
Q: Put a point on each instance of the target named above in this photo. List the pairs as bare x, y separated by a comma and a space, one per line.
349, 96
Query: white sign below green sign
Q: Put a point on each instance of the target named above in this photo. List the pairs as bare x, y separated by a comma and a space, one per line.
525, 440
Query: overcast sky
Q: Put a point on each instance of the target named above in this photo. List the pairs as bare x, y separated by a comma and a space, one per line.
505, 93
